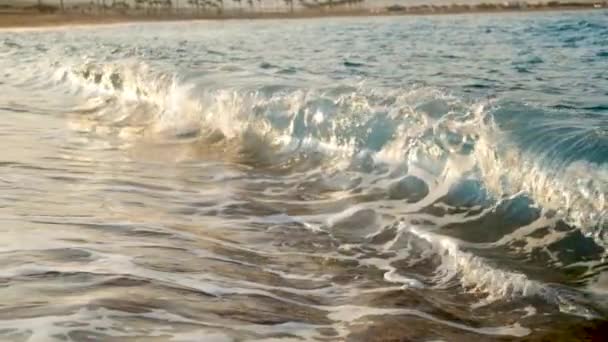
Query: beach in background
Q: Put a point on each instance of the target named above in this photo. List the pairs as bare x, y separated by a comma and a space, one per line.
23, 13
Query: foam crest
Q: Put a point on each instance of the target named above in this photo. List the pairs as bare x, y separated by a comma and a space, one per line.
474, 273
436, 136
576, 189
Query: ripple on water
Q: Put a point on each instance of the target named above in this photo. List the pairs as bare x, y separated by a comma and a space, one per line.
443, 174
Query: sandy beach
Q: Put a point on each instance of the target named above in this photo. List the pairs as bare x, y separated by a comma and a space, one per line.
20, 18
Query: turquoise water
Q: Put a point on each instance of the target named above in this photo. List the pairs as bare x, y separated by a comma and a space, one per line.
423, 178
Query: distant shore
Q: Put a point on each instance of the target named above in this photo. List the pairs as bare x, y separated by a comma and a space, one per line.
19, 18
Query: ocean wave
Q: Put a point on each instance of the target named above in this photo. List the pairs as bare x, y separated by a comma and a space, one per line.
418, 145
475, 274
424, 128
462, 197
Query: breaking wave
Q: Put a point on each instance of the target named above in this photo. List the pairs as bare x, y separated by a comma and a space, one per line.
416, 146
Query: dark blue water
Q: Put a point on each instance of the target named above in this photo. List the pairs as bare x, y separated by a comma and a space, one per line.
322, 179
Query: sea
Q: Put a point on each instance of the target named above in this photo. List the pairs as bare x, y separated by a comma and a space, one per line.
411, 178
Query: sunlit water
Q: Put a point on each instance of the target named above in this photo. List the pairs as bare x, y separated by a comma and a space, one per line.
418, 178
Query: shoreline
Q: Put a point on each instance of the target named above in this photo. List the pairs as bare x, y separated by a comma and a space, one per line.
34, 19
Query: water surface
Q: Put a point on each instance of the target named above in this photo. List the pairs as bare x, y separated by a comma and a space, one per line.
418, 178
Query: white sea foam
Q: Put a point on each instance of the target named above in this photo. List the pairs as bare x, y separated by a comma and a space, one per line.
439, 149
475, 274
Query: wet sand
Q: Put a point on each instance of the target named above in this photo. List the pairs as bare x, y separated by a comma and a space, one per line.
394, 330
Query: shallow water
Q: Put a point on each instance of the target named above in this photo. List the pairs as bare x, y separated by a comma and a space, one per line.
415, 178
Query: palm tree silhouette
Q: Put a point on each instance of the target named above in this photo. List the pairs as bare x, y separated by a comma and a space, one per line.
194, 3
139, 3
290, 3
218, 5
